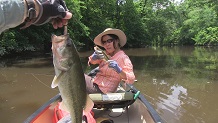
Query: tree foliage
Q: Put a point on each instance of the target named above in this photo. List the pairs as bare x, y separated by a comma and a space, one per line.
208, 36
197, 16
145, 22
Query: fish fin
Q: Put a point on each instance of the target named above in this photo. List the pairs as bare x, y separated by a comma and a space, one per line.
89, 104
63, 107
54, 82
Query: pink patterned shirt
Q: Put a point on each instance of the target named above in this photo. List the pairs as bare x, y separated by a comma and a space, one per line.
108, 79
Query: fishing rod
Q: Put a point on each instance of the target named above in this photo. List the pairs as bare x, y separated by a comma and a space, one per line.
106, 57
96, 47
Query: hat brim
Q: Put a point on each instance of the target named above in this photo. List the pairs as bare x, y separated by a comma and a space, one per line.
117, 32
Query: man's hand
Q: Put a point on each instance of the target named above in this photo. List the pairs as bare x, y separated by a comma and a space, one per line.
58, 22
55, 11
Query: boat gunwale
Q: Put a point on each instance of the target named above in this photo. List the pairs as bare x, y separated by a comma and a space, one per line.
156, 117
151, 110
43, 108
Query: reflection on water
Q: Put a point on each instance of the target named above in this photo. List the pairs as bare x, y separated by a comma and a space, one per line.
21, 90
172, 103
181, 83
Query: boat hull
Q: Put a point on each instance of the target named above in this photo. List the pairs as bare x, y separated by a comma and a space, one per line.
140, 111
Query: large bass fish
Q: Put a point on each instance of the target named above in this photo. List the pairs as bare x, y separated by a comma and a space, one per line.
69, 77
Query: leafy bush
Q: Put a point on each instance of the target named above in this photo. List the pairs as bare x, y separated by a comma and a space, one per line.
208, 36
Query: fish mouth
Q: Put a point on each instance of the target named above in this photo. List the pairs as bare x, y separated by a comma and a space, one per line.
60, 47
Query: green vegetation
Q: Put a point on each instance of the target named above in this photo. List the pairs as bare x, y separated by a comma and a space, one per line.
145, 22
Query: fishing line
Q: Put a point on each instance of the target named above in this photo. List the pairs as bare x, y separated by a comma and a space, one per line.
39, 74
83, 30
95, 47
40, 80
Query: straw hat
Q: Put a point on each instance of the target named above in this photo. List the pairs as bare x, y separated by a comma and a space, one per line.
117, 32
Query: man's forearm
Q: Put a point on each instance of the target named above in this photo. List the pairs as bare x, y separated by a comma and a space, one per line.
12, 13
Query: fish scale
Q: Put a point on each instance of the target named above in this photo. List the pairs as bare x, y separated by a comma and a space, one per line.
69, 76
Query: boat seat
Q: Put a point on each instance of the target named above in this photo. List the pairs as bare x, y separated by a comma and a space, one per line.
112, 100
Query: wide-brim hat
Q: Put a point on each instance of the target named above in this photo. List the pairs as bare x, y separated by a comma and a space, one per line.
117, 32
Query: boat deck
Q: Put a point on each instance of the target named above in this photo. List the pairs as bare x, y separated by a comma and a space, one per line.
136, 113
139, 112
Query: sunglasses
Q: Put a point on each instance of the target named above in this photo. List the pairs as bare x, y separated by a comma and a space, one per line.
108, 41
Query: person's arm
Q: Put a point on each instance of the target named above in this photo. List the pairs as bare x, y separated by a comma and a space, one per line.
12, 13
36, 12
124, 69
127, 71
123, 75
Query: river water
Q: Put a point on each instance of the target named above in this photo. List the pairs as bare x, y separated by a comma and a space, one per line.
180, 82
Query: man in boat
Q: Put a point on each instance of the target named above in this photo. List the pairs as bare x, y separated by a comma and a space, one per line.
115, 68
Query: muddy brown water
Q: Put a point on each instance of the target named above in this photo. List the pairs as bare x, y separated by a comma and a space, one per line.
180, 82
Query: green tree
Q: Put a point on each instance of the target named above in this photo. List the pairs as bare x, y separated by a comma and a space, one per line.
197, 16
145, 22
97, 15
132, 25
208, 36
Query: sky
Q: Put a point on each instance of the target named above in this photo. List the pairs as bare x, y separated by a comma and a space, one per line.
178, 1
